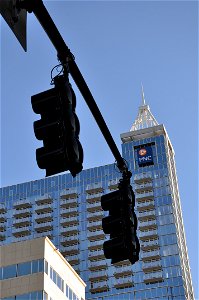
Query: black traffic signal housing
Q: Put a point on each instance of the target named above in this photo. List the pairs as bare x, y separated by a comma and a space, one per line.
58, 128
121, 224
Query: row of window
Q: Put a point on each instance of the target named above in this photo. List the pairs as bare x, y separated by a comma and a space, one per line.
70, 294
38, 295
22, 269
56, 278
155, 293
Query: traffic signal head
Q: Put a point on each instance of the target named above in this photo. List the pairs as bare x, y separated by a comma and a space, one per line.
58, 128
121, 224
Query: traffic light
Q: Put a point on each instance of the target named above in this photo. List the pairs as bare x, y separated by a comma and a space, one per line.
58, 128
121, 224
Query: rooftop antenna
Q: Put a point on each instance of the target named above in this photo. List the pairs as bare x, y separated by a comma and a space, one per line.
143, 99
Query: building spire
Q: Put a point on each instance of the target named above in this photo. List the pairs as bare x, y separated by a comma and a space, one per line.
143, 99
144, 118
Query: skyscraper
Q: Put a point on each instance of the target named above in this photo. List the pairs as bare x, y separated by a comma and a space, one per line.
68, 211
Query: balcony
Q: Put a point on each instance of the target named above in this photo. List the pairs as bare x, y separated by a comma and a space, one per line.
94, 225
122, 264
69, 250
94, 188
147, 225
2, 227
46, 198
98, 275
44, 217
153, 277
22, 213
113, 184
145, 205
49, 234
44, 208
95, 235
93, 245
148, 186
24, 203
76, 268
95, 215
69, 230
143, 177
46, 226
68, 203
98, 287
73, 259
3, 217
149, 245
144, 196
151, 234
2, 237
94, 206
149, 255
123, 271
123, 282
2, 208
145, 215
20, 238
96, 255
21, 222
97, 264
21, 231
69, 194
151, 266
69, 240
66, 212
69, 221
93, 197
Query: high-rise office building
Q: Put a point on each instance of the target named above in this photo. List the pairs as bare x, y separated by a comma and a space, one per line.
68, 211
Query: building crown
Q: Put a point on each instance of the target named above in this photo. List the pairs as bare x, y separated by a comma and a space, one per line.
144, 118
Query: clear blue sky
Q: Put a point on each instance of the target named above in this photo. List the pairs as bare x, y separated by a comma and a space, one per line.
117, 45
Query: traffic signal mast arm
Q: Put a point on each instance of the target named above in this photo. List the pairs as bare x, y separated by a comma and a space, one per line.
67, 60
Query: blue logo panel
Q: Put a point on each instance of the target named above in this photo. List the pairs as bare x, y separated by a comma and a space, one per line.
145, 156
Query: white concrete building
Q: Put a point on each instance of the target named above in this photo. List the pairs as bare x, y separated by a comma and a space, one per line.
36, 270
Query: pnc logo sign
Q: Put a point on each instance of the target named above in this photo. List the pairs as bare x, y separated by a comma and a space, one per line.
142, 151
145, 156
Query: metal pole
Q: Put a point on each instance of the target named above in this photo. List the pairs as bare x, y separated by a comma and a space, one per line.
67, 58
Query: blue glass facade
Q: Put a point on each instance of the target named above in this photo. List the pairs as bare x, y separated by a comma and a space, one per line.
68, 211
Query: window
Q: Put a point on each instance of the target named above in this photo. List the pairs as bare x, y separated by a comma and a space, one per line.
24, 269
46, 266
23, 297
9, 272
70, 294
170, 250
59, 282
45, 296
34, 266
41, 265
